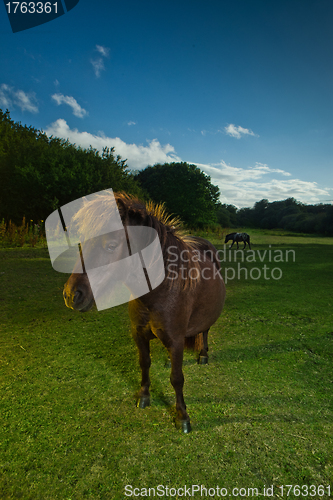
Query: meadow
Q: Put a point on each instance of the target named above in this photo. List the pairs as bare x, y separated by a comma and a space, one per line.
261, 410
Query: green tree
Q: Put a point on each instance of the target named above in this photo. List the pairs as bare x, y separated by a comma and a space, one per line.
288, 214
226, 215
244, 217
185, 190
39, 174
259, 212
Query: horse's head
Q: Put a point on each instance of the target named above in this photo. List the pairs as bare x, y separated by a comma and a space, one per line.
98, 260
117, 266
121, 254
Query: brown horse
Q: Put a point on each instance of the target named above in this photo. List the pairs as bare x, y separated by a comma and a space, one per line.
179, 311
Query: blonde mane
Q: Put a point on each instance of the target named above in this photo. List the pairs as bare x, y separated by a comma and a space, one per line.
94, 215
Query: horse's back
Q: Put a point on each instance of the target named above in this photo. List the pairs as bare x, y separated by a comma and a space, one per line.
208, 250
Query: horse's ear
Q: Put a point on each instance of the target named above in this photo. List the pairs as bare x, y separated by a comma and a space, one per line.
122, 207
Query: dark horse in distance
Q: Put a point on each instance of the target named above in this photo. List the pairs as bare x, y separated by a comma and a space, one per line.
180, 310
238, 238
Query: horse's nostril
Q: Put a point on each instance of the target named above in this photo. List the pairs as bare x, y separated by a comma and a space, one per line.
77, 296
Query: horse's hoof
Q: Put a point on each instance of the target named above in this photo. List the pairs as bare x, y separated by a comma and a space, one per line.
143, 402
184, 425
203, 360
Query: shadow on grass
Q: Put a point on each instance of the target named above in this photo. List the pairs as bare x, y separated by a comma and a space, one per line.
315, 347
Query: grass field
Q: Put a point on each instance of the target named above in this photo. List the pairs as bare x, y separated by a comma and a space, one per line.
261, 410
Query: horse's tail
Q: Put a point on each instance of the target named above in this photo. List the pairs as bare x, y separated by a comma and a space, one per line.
194, 343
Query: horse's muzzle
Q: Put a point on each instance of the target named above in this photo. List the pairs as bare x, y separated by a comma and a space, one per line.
77, 298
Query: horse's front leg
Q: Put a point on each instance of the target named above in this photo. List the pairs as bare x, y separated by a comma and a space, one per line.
177, 380
143, 398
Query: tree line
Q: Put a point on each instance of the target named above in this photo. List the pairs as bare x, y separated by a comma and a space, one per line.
39, 174
290, 215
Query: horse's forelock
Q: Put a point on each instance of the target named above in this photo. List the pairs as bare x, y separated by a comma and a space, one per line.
93, 216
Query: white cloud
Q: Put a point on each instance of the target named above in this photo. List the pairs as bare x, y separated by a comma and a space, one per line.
98, 63
5, 100
25, 101
98, 66
138, 156
265, 169
10, 98
70, 101
103, 50
237, 132
239, 186
231, 174
243, 187
131, 123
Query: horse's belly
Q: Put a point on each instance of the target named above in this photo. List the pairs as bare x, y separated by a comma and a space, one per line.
207, 309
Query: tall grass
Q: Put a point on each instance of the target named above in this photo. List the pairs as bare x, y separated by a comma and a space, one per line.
29, 233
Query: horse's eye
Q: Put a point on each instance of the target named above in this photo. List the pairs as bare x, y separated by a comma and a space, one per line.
111, 247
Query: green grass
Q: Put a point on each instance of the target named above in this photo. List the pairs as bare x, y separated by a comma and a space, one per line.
261, 410
278, 237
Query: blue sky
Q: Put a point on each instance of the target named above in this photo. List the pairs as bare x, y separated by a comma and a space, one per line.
241, 88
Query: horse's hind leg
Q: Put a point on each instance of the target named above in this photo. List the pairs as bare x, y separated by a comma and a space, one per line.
177, 381
143, 398
203, 356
